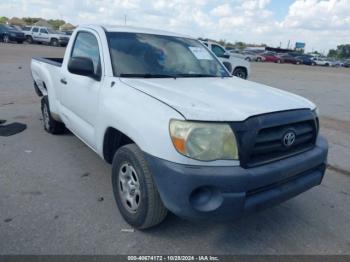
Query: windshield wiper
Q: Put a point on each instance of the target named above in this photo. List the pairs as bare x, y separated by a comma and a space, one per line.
149, 75
197, 75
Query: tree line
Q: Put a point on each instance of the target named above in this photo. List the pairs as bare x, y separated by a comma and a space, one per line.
55, 23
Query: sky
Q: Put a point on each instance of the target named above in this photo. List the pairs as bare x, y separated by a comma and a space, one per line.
321, 24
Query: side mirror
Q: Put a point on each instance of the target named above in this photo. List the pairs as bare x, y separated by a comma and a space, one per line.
82, 66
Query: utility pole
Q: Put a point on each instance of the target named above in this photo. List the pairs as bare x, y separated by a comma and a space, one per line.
125, 19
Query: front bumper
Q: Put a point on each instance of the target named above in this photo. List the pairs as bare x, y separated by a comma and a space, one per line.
17, 38
221, 193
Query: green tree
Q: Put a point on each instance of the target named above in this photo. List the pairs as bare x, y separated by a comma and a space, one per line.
332, 53
3, 19
30, 20
56, 23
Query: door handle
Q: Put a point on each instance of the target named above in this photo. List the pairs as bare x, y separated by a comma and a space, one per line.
63, 81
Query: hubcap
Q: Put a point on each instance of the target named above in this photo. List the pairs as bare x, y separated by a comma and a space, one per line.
46, 117
129, 187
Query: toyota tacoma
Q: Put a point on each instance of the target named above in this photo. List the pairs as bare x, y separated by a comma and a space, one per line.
181, 133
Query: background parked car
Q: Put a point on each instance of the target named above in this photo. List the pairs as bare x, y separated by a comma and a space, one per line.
347, 63
271, 57
242, 55
46, 35
286, 58
322, 61
306, 60
8, 34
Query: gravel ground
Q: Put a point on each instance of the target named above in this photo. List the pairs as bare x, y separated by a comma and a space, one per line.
56, 194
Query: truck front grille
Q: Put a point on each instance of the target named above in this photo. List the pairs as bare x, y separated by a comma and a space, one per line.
261, 139
269, 144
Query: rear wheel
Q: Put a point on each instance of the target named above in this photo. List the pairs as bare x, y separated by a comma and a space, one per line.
134, 189
240, 72
258, 59
50, 125
248, 59
54, 42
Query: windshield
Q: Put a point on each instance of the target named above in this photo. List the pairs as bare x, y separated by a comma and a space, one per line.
152, 56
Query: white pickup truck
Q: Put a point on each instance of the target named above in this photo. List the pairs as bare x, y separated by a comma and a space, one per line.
181, 133
237, 66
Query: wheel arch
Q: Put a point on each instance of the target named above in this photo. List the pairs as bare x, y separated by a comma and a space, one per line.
113, 139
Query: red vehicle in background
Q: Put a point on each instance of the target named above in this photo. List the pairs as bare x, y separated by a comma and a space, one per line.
271, 57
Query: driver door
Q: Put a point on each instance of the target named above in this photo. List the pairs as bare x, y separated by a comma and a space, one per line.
80, 94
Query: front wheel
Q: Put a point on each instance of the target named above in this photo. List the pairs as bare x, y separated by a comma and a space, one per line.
240, 72
259, 59
50, 125
134, 189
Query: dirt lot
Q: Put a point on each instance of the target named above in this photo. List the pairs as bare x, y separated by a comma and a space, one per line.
56, 195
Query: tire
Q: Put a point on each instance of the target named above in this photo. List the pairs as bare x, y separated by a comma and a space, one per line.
19, 42
6, 39
313, 63
279, 61
50, 125
147, 209
54, 42
29, 39
240, 72
248, 59
258, 59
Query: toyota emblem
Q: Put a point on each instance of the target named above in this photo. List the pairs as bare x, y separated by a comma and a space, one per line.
289, 139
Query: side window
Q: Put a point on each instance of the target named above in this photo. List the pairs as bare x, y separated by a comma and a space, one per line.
217, 50
86, 45
35, 30
42, 30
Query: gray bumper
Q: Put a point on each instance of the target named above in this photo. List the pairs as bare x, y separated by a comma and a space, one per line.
221, 193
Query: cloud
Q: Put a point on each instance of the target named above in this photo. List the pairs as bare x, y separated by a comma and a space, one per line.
321, 24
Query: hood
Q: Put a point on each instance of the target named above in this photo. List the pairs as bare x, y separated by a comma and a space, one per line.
218, 99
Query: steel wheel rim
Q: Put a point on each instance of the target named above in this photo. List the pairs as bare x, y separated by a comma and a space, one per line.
46, 118
6, 39
129, 187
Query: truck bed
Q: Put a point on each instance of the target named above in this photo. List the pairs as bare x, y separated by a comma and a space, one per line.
50, 60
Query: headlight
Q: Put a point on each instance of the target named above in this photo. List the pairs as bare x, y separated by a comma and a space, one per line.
204, 141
